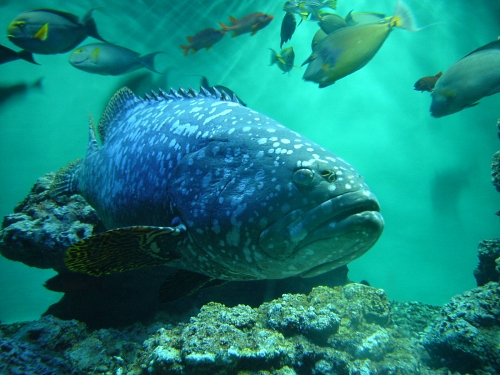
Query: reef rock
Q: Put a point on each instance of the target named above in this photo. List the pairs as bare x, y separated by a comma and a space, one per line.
42, 227
488, 268
341, 330
465, 338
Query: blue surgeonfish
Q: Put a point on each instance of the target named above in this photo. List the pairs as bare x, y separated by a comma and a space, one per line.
468, 80
49, 31
203, 184
350, 48
109, 59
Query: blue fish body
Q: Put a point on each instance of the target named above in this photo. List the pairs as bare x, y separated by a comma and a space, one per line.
248, 197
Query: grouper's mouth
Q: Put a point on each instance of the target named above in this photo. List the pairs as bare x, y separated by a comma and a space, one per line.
337, 229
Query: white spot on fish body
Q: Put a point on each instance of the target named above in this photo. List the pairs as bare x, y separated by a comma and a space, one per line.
285, 141
271, 130
231, 131
262, 141
276, 144
259, 154
347, 186
273, 139
270, 151
223, 113
247, 128
310, 149
195, 109
289, 152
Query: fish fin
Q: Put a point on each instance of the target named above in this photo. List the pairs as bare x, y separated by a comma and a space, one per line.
94, 56
472, 105
224, 27
309, 59
69, 16
190, 39
148, 61
183, 283
403, 17
186, 49
204, 82
43, 33
492, 45
439, 74
90, 26
93, 146
68, 282
27, 56
332, 4
274, 57
303, 16
233, 20
117, 106
123, 249
65, 182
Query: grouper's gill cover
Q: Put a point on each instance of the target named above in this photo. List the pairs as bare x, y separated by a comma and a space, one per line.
248, 197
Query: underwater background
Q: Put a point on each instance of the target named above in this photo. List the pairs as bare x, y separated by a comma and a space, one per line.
431, 176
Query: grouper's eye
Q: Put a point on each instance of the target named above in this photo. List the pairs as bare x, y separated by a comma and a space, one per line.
329, 175
303, 177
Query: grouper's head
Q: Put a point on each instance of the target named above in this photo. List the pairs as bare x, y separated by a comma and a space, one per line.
262, 201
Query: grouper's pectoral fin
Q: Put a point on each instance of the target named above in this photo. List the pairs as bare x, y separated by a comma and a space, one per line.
124, 249
183, 283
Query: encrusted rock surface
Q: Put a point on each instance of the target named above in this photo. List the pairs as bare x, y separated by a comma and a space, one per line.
43, 227
349, 330
488, 268
466, 337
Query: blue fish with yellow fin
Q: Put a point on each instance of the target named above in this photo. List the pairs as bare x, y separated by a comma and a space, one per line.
203, 184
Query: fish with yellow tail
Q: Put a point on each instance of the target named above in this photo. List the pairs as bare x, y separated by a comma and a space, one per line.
50, 31
110, 59
284, 59
348, 49
467, 81
203, 184
304, 8
248, 24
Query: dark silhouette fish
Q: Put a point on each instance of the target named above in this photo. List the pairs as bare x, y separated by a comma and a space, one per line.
8, 55
201, 183
288, 26
10, 91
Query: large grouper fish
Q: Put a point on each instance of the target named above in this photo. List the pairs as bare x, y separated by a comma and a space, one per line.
199, 182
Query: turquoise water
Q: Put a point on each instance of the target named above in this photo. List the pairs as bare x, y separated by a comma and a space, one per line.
431, 176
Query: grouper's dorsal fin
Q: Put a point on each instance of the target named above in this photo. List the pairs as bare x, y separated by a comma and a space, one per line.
190, 93
123, 100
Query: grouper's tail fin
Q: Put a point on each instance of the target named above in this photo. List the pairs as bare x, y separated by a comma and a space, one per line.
65, 182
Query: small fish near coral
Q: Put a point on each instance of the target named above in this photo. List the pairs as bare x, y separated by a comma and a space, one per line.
8, 55
248, 24
110, 59
205, 38
467, 81
348, 49
284, 59
201, 183
50, 31
427, 83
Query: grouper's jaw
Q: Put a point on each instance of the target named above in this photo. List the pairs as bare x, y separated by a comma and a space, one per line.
327, 236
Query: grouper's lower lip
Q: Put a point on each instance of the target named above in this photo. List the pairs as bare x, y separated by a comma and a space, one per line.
353, 214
